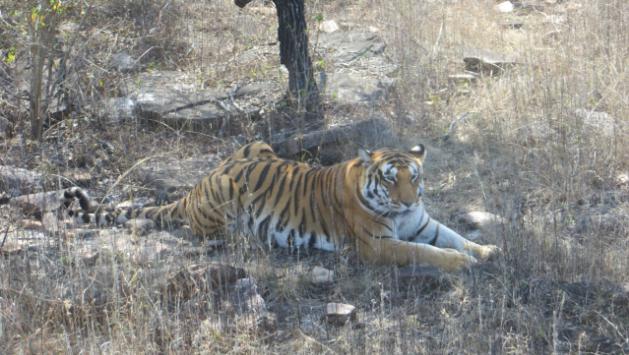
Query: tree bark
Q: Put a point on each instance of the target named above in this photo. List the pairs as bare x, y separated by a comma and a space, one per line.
303, 93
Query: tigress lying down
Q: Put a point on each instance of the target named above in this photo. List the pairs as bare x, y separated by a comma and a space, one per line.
372, 202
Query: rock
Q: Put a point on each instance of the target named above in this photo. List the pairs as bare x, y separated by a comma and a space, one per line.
18, 181
481, 219
370, 77
116, 109
39, 203
328, 26
348, 46
357, 88
341, 141
486, 62
19, 241
339, 314
622, 180
140, 226
122, 62
174, 98
321, 275
197, 278
170, 173
504, 7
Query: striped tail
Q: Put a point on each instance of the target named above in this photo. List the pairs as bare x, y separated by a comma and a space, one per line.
92, 213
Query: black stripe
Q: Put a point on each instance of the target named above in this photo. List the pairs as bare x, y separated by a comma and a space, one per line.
312, 240
263, 227
262, 176
434, 240
421, 229
280, 191
247, 150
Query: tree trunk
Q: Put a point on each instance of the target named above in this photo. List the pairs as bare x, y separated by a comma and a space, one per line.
302, 88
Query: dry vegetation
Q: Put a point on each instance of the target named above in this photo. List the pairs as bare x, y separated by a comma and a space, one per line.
561, 284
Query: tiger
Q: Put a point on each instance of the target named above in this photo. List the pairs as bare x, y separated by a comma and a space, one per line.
372, 203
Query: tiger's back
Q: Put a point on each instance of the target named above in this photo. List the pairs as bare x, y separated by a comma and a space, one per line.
372, 201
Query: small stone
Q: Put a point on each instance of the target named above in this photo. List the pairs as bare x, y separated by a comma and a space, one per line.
504, 7
122, 62
339, 313
481, 219
622, 180
321, 275
329, 26
478, 60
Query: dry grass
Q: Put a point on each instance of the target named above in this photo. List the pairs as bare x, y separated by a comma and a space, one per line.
522, 152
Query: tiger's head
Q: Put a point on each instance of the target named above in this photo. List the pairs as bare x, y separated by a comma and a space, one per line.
392, 181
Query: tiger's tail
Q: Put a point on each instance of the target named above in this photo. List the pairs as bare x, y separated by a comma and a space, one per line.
92, 213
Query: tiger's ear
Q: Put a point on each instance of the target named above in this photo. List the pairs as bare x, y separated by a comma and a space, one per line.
364, 155
419, 151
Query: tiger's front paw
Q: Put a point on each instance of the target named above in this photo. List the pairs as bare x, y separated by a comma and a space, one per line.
454, 260
484, 252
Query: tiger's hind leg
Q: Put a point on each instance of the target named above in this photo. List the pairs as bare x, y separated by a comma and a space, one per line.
214, 205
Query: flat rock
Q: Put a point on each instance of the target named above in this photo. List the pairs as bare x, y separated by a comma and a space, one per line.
360, 72
39, 203
486, 62
340, 141
18, 181
170, 173
18, 241
321, 275
481, 219
116, 109
175, 99
357, 88
340, 313
347, 46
